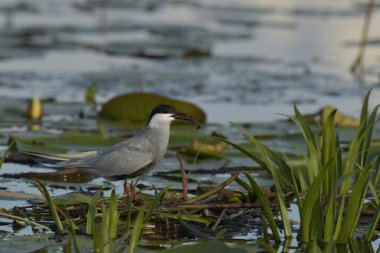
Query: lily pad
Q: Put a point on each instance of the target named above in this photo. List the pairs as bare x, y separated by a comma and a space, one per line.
27, 243
206, 247
73, 198
64, 142
135, 108
211, 148
341, 119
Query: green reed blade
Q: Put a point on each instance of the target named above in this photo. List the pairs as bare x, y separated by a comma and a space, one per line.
266, 206
91, 214
2, 159
53, 209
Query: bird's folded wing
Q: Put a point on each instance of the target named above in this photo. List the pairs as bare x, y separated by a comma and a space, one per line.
124, 160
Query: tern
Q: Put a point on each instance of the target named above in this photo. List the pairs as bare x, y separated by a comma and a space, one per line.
130, 158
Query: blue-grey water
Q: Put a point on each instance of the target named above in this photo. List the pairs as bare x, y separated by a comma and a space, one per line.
241, 61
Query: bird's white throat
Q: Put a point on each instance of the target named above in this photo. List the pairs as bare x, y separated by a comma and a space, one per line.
160, 120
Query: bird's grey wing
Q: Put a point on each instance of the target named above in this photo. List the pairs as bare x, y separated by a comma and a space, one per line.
125, 158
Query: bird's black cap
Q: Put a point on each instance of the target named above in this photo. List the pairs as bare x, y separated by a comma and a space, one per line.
166, 109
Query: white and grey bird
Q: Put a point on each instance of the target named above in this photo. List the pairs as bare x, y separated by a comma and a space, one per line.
129, 158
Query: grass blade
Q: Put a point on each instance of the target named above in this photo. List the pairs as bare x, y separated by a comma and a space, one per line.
53, 209
266, 206
328, 233
104, 232
2, 159
250, 192
137, 230
152, 205
90, 224
354, 205
279, 181
113, 216
213, 191
375, 221
306, 131
73, 235
281, 200
310, 201
247, 153
339, 221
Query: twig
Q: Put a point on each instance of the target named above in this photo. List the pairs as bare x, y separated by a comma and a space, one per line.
22, 219
213, 191
197, 232
184, 178
359, 61
219, 219
17, 195
215, 206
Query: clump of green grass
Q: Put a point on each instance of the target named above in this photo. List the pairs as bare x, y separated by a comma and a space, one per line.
329, 191
105, 231
328, 180
103, 223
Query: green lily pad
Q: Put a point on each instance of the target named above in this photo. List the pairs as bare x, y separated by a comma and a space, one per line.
73, 198
135, 108
30, 145
183, 136
64, 142
210, 246
28, 243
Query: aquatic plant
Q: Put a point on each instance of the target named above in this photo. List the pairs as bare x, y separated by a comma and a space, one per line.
329, 186
2, 159
328, 179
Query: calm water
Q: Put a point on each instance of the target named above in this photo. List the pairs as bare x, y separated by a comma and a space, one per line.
241, 61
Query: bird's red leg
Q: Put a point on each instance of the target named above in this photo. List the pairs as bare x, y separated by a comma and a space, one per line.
126, 190
135, 195
130, 188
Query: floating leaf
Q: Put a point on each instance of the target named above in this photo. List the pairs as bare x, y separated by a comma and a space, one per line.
64, 142
181, 135
28, 243
211, 246
135, 108
340, 119
209, 147
73, 198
